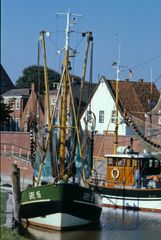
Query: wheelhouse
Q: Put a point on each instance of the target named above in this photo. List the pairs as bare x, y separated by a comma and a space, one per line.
132, 170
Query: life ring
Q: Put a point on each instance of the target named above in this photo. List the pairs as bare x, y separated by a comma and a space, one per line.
115, 173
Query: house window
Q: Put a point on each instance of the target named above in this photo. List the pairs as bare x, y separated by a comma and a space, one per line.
11, 103
25, 127
89, 117
6, 100
17, 105
52, 101
113, 116
101, 116
17, 125
159, 120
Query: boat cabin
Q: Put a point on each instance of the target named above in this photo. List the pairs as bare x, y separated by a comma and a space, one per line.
132, 170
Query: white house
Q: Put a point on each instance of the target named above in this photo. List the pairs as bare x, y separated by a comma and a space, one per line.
133, 97
103, 106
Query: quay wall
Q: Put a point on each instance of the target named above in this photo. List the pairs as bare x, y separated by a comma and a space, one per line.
15, 149
21, 139
13, 142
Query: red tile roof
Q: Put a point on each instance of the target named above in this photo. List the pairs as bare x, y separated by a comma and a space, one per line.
136, 97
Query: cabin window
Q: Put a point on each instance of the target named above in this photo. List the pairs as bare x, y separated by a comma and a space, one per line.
113, 162
110, 162
101, 116
136, 163
156, 164
124, 162
119, 163
159, 120
129, 162
150, 163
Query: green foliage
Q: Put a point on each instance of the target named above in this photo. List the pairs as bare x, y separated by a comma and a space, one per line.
5, 112
3, 207
30, 75
10, 234
5, 233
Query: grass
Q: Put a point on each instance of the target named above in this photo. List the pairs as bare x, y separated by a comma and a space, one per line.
7, 234
4, 198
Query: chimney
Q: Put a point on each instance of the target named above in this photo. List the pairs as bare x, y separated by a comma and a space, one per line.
127, 80
141, 80
33, 87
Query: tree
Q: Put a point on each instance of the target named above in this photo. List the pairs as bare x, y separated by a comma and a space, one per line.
30, 75
5, 113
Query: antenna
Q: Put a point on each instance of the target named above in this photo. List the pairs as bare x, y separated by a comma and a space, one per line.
118, 65
151, 78
70, 23
117, 92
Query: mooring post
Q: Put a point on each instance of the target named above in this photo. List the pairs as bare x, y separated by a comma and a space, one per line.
16, 193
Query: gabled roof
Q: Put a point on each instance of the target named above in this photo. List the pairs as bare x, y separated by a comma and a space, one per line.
136, 97
88, 90
17, 92
6, 83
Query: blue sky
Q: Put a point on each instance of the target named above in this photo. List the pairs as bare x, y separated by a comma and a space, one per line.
135, 24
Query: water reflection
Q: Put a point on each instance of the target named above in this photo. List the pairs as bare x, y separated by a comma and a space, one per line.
115, 224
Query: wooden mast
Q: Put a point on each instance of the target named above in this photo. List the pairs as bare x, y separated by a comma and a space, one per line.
63, 118
47, 100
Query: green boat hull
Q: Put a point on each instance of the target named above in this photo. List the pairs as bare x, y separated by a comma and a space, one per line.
69, 201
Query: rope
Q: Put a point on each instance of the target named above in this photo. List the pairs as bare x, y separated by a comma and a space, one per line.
131, 123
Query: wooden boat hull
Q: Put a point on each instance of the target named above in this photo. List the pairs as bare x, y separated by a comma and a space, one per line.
133, 199
60, 206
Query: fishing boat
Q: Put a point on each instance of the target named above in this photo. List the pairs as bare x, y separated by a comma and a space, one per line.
60, 197
133, 182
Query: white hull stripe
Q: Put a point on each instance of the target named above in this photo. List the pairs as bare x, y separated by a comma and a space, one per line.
131, 198
36, 201
48, 200
137, 203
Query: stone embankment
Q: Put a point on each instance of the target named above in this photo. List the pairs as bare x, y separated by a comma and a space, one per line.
6, 170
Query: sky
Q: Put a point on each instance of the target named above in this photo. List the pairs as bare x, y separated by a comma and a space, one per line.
133, 26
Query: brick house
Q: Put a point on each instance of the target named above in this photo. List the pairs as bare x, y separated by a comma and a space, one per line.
27, 105
34, 109
17, 100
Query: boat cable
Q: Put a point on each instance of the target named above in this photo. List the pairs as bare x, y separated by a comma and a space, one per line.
49, 129
77, 116
130, 122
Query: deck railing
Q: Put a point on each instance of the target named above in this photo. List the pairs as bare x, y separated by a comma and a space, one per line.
15, 151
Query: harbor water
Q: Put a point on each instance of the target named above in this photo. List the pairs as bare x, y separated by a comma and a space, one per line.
116, 224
